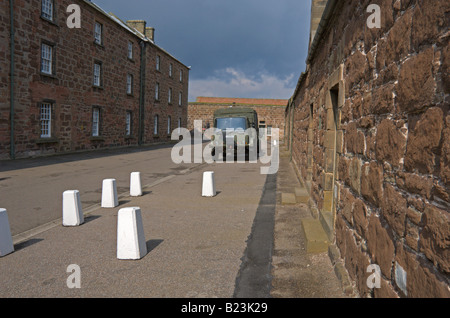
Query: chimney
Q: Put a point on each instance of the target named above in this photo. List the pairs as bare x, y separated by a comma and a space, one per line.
139, 25
150, 33
317, 8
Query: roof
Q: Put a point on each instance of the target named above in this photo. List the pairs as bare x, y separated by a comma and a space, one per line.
138, 34
242, 101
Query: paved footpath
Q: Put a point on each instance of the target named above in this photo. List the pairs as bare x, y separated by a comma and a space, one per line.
197, 247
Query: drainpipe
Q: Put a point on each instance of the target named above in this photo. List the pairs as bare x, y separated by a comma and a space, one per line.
11, 143
142, 95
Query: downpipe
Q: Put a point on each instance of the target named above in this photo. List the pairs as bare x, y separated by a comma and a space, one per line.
12, 145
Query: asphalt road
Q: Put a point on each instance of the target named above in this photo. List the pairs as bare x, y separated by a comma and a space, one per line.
195, 244
31, 189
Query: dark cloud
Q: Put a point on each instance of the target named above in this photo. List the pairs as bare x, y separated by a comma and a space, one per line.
254, 37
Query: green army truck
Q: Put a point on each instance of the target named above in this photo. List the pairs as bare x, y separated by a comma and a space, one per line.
239, 121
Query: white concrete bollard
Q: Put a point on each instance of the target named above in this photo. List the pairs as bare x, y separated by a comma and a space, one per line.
135, 184
130, 234
72, 210
109, 194
209, 185
6, 243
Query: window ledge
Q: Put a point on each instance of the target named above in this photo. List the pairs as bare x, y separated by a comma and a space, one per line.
48, 75
50, 21
97, 87
49, 140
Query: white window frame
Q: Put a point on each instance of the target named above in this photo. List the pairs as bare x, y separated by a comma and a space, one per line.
128, 123
45, 117
169, 125
181, 76
170, 96
129, 84
47, 9
98, 74
46, 59
269, 130
155, 125
180, 99
95, 122
158, 63
130, 50
157, 91
170, 69
179, 125
98, 33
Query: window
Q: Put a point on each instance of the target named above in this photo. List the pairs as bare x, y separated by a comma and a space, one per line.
170, 96
46, 120
169, 125
98, 74
179, 125
98, 30
47, 9
130, 50
128, 123
156, 128
157, 91
181, 76
269, 130
180, 99
46, 59
95, 122
129, 84
158, 63
170, 69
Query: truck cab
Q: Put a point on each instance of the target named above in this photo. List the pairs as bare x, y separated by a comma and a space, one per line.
239, 124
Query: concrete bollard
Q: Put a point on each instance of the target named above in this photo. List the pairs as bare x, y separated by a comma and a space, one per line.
6, 243
72, 210
109, 194
135, 184
209, 185
130, 234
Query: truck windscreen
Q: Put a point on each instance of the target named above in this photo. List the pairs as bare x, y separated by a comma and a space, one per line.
231, 123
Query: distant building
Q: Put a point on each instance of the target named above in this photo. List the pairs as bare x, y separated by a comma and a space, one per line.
368, 128
106, 84
270, 111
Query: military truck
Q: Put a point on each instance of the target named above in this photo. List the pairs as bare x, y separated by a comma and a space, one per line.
238, 120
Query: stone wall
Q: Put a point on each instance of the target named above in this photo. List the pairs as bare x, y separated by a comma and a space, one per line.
371, 142
70, 87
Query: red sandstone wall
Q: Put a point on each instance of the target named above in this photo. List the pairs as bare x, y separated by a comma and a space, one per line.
393, 165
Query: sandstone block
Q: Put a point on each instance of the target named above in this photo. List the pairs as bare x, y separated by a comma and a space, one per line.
423, 140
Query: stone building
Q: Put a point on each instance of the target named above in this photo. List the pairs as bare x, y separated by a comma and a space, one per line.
368, 129
105, 84
270, 111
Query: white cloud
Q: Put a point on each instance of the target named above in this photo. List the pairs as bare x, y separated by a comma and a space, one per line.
231, 82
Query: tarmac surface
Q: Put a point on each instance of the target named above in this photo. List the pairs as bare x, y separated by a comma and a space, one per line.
240, 243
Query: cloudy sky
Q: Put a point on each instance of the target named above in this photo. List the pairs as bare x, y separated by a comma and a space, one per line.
236, 48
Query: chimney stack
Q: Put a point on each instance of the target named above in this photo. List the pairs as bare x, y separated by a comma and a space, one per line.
139, 25
150, 33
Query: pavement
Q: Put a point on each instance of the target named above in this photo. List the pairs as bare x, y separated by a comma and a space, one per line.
241, 243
